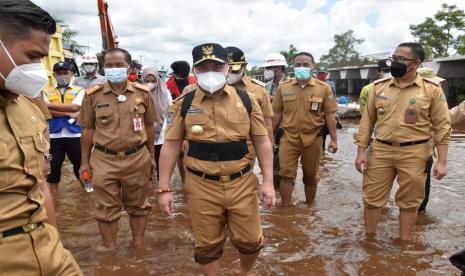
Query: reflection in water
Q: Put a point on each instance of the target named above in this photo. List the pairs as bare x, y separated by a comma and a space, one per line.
326, 239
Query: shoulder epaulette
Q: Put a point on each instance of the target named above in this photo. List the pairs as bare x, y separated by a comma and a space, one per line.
382, 80
262, 84
93, 89
431, 81
142, 87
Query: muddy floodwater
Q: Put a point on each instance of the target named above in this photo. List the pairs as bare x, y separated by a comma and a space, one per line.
326, 239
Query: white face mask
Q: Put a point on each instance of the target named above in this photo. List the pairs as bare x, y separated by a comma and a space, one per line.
233, 78
63, 80
89, 69
211, 81
26, 79
268, 74
151, 85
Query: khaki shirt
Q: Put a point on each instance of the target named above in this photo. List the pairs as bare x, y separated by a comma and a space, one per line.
113, 120
303, 109
223, 119
22, 147
386, 106
253, 87
457, 116
40, 103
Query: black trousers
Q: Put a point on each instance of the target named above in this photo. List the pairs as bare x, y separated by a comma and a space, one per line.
59, 147
429, 166
157, 159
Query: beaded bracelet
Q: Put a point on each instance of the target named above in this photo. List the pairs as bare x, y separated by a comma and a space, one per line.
162, 191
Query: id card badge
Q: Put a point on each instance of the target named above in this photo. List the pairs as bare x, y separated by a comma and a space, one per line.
410, 116
315, 106
138, 126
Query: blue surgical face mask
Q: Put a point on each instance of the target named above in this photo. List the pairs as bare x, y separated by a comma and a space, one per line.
302, 73
116, 75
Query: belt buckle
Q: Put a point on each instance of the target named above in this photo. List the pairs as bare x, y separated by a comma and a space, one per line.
225, 178
30, 227
120, 154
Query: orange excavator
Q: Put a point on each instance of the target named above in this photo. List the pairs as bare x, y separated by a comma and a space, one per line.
106, 28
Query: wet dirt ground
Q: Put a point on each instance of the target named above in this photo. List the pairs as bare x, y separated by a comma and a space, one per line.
326, 239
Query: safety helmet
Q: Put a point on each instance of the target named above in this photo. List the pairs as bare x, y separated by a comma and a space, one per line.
274, 59
89, 58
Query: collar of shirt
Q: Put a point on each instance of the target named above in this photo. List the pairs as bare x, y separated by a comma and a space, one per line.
107, 87
246, 80
228, 89
310, 81
417, 81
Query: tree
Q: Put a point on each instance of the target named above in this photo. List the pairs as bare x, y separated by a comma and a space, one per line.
437, 34
68, 37
343, 53
289, 55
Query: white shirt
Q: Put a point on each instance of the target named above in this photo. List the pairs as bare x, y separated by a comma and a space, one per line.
65, 133
161, 138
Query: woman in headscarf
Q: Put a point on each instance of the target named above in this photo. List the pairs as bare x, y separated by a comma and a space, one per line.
162, 99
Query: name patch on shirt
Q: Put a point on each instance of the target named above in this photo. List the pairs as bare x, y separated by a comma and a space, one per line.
196, 111
103, 105
288, 94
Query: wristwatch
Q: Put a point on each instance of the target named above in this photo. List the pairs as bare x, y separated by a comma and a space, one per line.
48, 157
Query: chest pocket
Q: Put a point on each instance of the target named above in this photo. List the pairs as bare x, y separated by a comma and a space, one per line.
104, 117
382, 107
238, 117
315, 104
139, 110
40, 143
290, 103
197, 119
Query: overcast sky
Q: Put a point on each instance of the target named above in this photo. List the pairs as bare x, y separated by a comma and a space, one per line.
164, 31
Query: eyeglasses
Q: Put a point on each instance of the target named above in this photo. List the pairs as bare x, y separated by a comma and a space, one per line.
398, 59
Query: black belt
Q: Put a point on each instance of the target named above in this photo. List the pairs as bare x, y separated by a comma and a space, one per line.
403, 144
223, 151
20, 230
224, 178
119, 153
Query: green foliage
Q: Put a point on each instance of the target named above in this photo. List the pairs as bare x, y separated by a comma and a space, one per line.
437, 34
255, 71
343, 53
68, 38
289, 54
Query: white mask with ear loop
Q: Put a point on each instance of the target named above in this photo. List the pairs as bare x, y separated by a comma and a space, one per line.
26, 79
212, 81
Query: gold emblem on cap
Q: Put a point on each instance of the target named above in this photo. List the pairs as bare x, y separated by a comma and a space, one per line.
207, 50
197, 130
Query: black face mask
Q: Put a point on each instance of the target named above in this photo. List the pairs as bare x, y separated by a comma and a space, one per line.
398, 69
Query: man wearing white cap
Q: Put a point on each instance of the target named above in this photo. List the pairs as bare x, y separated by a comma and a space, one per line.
275, 72
90, 66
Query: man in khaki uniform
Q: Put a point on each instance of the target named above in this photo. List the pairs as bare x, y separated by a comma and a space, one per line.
239, 80
221, 189
301, 105
407, 111
29, 245
118, 123
457, 116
